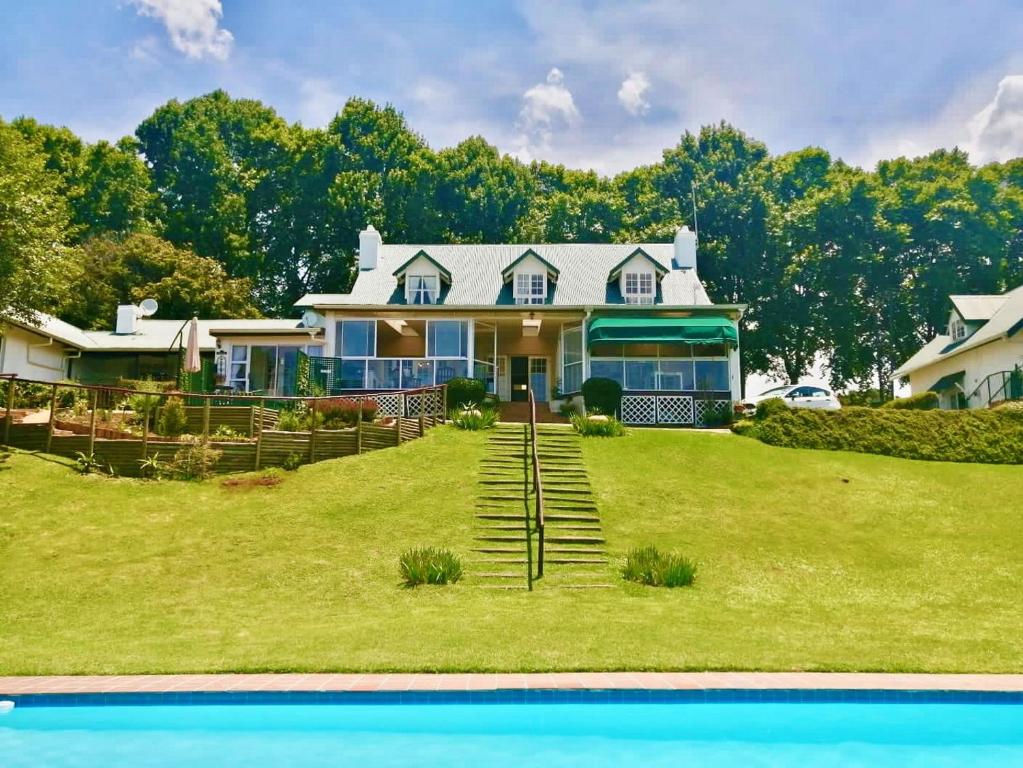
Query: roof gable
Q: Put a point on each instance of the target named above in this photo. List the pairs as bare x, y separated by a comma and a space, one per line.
552, 271
399, 273
659, 268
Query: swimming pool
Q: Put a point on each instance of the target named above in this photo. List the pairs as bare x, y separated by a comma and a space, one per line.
641, 728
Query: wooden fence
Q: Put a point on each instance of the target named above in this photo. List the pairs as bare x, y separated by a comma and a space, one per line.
266, 447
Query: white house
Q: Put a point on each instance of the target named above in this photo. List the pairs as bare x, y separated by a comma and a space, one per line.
540, 316
972, 365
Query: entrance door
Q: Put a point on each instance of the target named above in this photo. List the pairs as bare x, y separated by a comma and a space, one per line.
519, 379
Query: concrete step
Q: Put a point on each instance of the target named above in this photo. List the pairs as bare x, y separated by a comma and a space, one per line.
573, 539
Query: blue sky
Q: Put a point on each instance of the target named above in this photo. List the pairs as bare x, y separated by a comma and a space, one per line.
588, 83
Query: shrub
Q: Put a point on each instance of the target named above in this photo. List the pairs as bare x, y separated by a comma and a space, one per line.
292, 462
870, 398
195, 461
152, 468
992, 436
718, 415
87, 463
602, 396
340, 412
146, 400
291, 420
647, 565
769, 407
474, 417
428, 565
602, 426
463, 391
224, 433
173, 421
922, 401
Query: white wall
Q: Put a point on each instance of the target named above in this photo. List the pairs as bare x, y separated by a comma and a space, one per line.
978, 363
27, 355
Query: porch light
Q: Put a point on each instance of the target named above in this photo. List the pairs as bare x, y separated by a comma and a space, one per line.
531, 326
402, 327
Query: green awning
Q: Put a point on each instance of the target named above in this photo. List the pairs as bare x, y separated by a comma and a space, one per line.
705, 329
946, 383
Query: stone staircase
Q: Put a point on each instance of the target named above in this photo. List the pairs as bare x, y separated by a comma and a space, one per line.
575, 553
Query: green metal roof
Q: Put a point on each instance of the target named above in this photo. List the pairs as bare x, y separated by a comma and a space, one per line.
704, 329
948, 382
444, 273
552, 271
659, 268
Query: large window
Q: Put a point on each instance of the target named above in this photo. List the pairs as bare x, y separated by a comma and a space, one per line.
356, 338
708, 373
447, 338
572, 359
956, 328
639, 288
421, 289
530, 288
268, 368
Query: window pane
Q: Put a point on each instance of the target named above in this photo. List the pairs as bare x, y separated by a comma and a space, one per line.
676, 374
353, 374
239, 353
449, 369
263, 370
287, 370
572, 380
358, 338
712, 375
383, 374
416, 373
573, 346
314, 350
640, 374
447, 338
608, 369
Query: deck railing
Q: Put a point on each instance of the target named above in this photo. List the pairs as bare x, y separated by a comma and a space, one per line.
249, 437
997, 387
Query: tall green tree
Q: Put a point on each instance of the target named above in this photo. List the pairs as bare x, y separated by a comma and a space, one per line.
114, 270
34, 230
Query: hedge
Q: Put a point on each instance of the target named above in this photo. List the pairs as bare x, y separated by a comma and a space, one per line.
984, 436
602, 396
922, 401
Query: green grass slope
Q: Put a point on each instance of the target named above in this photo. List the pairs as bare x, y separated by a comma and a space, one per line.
808, 560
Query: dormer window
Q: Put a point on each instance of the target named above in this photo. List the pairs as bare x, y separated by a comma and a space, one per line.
957, 328
530, 288
639, 288
421, 289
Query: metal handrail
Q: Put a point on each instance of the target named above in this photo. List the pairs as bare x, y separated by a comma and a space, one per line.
1006, 380
538, 522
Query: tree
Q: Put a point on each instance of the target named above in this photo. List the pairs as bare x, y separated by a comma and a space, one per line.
570, 207
116, 270
34, 225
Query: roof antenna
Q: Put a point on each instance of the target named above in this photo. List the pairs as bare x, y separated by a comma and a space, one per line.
696, 224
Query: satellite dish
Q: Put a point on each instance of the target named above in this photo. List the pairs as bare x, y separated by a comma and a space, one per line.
310, 318
148, 307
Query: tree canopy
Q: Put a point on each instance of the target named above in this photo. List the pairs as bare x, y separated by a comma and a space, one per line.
218, 206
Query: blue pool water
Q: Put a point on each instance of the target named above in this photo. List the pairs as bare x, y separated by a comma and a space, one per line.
550, 735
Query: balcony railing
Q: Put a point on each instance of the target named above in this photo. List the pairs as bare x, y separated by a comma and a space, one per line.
333, 375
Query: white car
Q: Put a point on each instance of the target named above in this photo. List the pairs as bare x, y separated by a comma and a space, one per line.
796, 396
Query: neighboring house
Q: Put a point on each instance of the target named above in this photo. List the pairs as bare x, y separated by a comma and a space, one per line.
974, 364
541, 316
264, 352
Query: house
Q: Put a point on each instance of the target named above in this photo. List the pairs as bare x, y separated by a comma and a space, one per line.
264, 351
541, 316
974, 363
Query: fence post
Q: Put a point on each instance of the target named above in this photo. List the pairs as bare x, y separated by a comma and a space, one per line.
259, 440
422, 419
9, 416
252, 421
358, 428
444, 404
53, 415
312, 431
401, 411
145, 432
92, 421
205, 418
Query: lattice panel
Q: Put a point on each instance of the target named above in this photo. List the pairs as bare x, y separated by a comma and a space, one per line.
429, 402
639, 409
702, 406
674, 409
388, 404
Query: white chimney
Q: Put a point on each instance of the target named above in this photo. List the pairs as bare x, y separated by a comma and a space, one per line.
369, 248
685, 249
127, 319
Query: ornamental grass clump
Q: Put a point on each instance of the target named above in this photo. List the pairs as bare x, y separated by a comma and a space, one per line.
474, 417
648, 565
429, 565
597, 426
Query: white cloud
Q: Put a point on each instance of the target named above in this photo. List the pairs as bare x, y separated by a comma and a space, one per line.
996, 132
193, 25
632, 93
546, 107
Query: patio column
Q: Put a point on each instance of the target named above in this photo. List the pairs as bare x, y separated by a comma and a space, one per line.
586, 346
735, 369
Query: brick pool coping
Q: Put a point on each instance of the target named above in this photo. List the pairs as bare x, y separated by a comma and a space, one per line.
561, 681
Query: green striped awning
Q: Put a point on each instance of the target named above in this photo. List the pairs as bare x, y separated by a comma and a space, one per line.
705, 329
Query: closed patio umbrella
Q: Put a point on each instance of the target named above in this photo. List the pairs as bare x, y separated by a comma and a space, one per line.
193, 363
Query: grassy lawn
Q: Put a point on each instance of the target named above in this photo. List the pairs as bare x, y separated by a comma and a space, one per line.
808, 560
